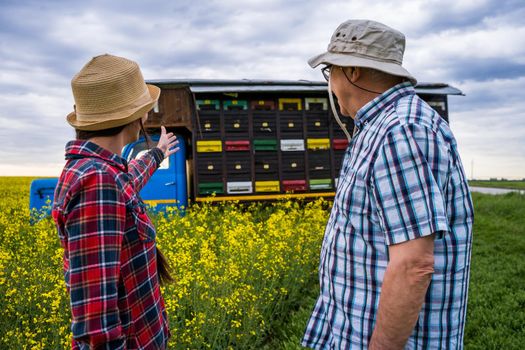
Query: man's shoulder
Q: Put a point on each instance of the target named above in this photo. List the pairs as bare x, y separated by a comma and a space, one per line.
413, 111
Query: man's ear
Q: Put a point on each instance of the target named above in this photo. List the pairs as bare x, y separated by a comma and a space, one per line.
355, 74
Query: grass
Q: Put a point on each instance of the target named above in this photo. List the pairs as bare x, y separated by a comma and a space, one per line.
496, 309
519, 185
496, 305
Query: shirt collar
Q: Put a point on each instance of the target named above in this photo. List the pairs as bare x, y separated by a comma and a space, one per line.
377, 105
86, 149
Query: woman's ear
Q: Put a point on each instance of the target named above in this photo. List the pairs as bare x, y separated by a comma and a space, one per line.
136, 124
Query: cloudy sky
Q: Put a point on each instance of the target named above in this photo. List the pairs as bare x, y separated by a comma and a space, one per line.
475, 45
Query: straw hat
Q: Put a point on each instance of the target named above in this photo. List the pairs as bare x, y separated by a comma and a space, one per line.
110, 91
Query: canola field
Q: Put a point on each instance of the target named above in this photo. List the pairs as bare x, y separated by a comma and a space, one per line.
240, 271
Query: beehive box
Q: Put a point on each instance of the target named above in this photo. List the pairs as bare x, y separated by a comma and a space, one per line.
270, 144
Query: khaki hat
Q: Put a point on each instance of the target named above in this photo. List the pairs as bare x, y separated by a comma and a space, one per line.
365, 43
109, 91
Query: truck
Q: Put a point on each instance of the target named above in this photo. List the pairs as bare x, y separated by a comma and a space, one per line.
244, 140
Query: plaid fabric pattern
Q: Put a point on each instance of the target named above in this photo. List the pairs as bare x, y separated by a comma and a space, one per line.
109, 250
401, 179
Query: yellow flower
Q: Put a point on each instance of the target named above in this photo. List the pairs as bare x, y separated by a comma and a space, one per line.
236, 268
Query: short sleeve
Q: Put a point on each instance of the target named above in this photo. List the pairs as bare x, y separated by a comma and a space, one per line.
407, 180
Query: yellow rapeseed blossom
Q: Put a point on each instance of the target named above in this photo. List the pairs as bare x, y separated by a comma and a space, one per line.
239, 268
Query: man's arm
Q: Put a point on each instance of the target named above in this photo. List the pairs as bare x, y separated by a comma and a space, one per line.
407, 181
405, 284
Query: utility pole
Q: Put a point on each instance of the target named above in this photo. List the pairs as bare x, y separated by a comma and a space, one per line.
472, 170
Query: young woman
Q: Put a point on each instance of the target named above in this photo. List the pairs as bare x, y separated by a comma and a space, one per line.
112, 267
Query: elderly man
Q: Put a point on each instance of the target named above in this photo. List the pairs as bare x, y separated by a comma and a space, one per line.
395, 260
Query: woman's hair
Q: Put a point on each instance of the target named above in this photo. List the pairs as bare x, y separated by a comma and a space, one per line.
163, 267
87, 134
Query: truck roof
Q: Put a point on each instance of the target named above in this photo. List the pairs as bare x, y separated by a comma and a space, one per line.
261, 85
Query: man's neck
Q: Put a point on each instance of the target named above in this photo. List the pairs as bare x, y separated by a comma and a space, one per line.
363, 97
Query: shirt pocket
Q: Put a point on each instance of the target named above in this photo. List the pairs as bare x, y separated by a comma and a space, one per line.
141, 220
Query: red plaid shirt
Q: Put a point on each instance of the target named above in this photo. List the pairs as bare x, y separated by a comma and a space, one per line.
110, 263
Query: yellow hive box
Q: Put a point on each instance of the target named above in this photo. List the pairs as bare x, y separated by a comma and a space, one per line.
266, 186
322, 101
318, 143
287, 101
209, 146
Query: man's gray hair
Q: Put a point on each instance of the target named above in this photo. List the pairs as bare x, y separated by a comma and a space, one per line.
380, 76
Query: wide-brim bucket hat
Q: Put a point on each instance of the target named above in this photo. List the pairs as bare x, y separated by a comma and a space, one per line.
110, 91
365, 43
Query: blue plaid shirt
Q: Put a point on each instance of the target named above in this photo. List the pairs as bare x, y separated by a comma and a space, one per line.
401, 179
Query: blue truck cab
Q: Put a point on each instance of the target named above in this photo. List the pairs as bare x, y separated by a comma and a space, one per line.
167, 186
41, 196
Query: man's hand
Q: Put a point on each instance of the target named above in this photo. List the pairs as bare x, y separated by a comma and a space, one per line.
167, 142
407, 277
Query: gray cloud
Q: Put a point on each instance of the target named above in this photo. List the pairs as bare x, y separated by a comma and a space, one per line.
478, 46
445, 15
487, 69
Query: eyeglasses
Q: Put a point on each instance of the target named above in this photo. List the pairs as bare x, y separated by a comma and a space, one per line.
326, 71
328, 68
